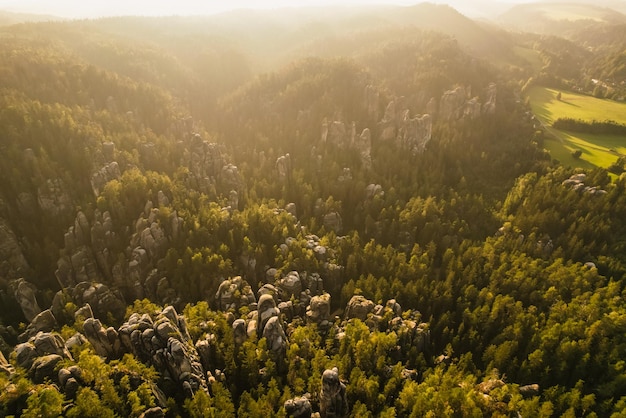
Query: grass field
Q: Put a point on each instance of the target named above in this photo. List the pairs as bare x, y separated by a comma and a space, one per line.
597, 150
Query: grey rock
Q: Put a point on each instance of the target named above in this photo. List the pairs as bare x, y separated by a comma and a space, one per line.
274, 333
299, 407
332, 396
333, 222
283, 166
25, 294
43, 367
290, 285
104, 341
359, 307
99, 179
44, 321
319, 308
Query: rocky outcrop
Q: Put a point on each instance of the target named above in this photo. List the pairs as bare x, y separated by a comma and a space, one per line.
12, 261
338, 134
459, 103
410, 133
25, 295
299, 407
359, 307
283, 166
100, 178
234, 293
43, 322
104, 341
332, 396
577, 182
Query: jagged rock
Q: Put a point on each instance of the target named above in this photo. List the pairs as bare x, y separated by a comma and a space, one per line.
275, 335
299, 407
43, 367
25, 354
319, 308
290, 285
333, 400
12, 261
50, 343
338, 134
102, 299
24, 292
283, 165
99, 179
76, 340
83, 312
104, 341
54, 199
452, 103
44, 321
359, 307
234, 293
266, 309
333, 222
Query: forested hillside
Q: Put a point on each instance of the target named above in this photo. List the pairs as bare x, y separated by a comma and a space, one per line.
276, 216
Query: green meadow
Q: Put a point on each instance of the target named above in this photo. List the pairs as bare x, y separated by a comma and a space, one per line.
597, 150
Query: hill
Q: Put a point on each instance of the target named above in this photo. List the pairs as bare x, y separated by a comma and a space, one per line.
216, 216
562, 19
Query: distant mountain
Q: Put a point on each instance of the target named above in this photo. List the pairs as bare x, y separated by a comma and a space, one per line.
562, 19
10, 18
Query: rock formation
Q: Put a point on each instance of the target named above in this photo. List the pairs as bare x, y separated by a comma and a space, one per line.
333, 401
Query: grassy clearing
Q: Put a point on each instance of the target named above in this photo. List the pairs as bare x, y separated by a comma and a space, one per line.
597, 150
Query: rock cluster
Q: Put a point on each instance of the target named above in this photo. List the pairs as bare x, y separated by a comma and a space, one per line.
100, 178
412, 134
577, 183
459, 103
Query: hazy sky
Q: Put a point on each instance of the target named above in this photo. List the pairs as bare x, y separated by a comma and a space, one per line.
95, 8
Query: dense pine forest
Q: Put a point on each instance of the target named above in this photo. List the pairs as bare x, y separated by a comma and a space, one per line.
332, 212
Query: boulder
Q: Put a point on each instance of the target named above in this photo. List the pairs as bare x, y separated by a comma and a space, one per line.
104, 341
43, 367
319, 308
333, 222
359, 307
299, 407
44, 321
290, 285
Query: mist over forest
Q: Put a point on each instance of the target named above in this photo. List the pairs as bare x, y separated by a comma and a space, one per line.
338, 211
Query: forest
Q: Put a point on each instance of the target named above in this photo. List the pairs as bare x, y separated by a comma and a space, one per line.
348, 213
